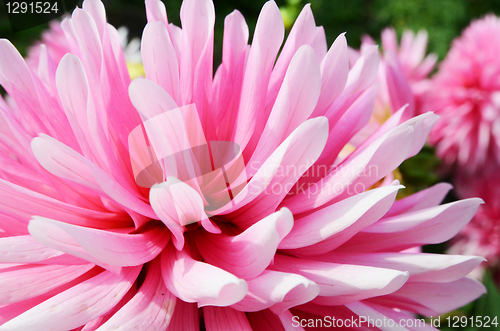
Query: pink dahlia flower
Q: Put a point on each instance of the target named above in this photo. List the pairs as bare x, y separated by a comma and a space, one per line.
184, 201
466, 93
408, 68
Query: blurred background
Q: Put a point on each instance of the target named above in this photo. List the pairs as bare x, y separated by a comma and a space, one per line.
443, 19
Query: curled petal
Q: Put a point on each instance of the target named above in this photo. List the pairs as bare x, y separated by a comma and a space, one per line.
194, 281
249, 253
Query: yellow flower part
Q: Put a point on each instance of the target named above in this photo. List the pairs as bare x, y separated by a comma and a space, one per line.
135, 70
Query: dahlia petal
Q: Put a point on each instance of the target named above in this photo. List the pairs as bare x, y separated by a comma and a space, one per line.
296, 100
326, 232
368, 312
398, 87
88, 39
249, 253
365, 166
267, 39
155, 47
194, 281
341, 283
162, 202
286, 319
118, 249
8, 312
432, 299
24, 249
352, 121
156, 11
150, 309
198, 19
264, 320
29, 281
96, 9
364, 71
185, 317
436, 268
229, 77
188, 203
319, 43
13, 69
281, 170
427, 226
13, 203
302, 33
334, 73
427, 198
64, 162
225, 318
397, 316
277, 291
149, 98
72, 88
78, 305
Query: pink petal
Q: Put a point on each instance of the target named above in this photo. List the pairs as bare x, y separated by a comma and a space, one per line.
433, 299
427, 226
194, 281
341, 283
156, 11
151, 308
365, 166
13, 203
156, 46
249, 253
400, 317
198, 19
24, 249
427, 198
364, 71
187, 202
229, 77
302, 33
160, 198
264, 320
436, 268
398, 87
332, 226
64, 162
29, 281
286, 319
278, 291
267, 39
185, 318
78, 305
280, 172
334, 72
225, 318
296, 100
118, 249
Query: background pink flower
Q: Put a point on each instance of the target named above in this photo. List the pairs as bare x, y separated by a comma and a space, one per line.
83, 247
465, 95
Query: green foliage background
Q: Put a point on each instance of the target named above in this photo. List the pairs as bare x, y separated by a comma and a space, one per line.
443, 19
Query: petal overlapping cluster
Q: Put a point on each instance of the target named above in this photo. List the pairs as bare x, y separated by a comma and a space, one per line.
86, 245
